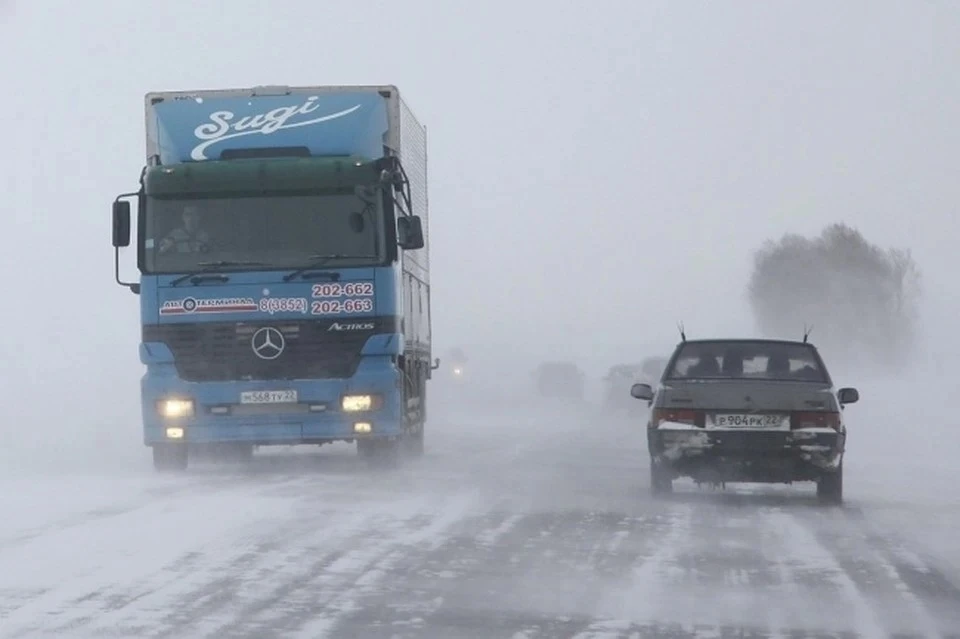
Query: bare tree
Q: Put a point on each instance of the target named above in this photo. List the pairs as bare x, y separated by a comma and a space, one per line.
862, 299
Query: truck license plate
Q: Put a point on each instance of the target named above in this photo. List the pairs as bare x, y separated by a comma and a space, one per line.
269, 397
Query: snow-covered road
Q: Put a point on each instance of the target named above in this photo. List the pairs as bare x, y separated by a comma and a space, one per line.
522, 523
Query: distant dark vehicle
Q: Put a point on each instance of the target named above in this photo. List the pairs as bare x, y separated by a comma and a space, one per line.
652, 368
617, 383
560, 380
747, 410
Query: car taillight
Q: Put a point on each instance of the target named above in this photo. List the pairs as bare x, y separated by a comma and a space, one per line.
815, 419
682, 416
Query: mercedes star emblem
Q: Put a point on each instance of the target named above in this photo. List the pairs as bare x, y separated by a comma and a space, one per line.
267, 343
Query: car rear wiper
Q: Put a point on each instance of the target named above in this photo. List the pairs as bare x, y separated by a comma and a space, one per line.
316, 261
206, 267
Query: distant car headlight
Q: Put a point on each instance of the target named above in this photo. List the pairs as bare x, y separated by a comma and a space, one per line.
357, 403
174, 408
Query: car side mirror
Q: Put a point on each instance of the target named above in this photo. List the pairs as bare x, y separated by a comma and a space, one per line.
436, 364
121, 223
642, 391
410, 233
848, 395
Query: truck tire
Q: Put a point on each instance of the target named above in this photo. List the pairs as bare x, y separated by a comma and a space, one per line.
382, 453
414, 442
170, 457
241, 454
830, 487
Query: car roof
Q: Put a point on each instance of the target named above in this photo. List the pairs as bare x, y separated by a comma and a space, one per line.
747, 340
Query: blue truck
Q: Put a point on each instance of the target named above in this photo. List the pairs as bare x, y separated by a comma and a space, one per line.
282, 245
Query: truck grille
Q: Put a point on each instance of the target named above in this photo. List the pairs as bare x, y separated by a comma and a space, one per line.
223, 351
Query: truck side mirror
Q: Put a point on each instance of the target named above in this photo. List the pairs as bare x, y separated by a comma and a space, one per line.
436, 364
121, 223
410, 232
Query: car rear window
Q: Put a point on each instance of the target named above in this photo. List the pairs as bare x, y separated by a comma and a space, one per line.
747, 360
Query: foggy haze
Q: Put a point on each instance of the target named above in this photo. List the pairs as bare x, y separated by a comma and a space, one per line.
594, 172
598, 172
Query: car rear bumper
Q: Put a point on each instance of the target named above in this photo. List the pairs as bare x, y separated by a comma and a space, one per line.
751, 456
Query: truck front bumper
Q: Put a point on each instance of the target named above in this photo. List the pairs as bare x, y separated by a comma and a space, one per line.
207, 413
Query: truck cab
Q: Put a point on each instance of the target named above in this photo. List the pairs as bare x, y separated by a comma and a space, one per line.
283, 266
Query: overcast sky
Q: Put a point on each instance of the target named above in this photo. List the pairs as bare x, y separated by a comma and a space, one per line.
596, 173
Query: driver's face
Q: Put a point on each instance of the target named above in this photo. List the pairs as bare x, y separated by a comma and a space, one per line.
191, 220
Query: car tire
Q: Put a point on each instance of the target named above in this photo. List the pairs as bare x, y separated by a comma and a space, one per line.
830, 487
661, 483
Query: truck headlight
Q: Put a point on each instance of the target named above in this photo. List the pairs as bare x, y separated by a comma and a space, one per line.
173, 408
356, 403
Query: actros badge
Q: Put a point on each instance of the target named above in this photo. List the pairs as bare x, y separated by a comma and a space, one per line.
352, 326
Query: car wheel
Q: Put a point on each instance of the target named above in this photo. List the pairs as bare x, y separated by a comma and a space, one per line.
661, 483
830, 487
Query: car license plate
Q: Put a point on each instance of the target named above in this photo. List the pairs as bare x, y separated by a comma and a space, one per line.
269, 397
759, 422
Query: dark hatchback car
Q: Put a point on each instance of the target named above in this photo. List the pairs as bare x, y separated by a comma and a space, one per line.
617, 382
747, 410
560, 380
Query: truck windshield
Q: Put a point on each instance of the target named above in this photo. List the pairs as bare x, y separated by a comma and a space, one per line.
279, 231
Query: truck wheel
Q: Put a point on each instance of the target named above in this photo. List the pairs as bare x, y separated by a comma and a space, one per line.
366, 448
379, 452
830, 487
169, 457
414, 442
242, 453
660, 481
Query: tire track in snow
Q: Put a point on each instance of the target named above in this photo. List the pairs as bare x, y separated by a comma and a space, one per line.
812, 556
271, 579
713, 569
902, 591
501, 573
649, 592
734, 565
311, 601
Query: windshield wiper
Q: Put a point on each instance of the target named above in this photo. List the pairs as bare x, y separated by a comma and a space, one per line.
206, 267
316, 261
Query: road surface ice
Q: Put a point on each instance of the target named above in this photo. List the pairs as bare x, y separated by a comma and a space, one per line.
518, 523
